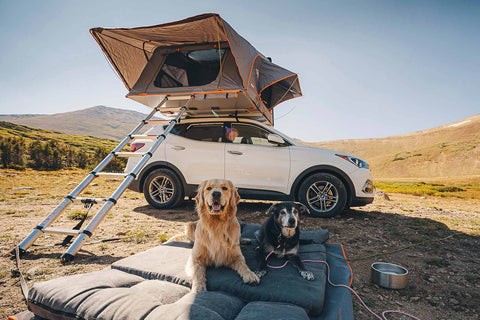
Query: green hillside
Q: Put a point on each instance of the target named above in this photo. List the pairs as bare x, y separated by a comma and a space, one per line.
22, 147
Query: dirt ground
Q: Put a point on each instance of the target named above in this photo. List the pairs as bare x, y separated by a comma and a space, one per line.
436, 239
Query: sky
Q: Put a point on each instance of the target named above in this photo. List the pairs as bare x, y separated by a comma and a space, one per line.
367, 69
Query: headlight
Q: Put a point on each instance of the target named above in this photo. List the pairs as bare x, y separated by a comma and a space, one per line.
356, 161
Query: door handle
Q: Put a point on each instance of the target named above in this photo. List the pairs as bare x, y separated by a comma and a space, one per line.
178, 148
238, 153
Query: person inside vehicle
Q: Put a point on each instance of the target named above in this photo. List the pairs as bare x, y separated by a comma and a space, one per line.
231, 134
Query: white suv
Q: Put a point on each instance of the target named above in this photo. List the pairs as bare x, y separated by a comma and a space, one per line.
263, 163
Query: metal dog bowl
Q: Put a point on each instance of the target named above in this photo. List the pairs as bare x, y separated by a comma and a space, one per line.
389, 275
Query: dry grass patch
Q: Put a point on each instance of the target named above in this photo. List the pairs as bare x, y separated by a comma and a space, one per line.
420, 188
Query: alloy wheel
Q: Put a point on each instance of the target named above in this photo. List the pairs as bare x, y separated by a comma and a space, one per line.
322, 196
161, 189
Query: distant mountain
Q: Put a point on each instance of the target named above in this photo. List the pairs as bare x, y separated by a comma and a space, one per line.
449, 151
99, 121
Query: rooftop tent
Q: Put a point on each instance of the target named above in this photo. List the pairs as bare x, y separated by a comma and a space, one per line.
201, 56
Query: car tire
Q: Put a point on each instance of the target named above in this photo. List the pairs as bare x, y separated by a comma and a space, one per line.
324, 194
162, 189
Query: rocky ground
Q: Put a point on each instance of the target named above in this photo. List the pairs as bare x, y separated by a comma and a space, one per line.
436, 239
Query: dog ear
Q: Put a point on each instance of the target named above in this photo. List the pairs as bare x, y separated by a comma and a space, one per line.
272, 210
301, 208
235, 197
199, 200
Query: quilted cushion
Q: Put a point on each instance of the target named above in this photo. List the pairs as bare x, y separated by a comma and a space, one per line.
272, 310
204, 305
153, 285
64, 295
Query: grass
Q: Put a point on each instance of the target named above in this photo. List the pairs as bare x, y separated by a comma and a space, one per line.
466, 225
406, 155
35, 184
77, 214
163, 237
49, 182
137, 236
420, 188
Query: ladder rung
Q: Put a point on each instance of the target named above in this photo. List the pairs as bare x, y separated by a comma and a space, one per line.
144, 136
129, 154
84, 199
111, 174
71, 232
157, 121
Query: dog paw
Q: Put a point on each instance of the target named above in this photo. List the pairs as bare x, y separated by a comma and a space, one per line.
251, 278
198, 288
307, 275
245, 241
261, 273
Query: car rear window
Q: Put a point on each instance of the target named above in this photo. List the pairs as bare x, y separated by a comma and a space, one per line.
204, 132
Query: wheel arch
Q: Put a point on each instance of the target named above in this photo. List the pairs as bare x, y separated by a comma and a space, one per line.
160, 165
324, 169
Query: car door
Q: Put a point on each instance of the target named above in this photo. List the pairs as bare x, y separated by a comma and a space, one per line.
197, 151
252, 162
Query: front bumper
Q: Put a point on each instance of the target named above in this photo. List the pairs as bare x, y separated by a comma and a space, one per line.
364, 188
361, 201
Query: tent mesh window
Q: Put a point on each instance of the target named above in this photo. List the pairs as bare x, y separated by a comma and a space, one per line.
276, 93
190, 68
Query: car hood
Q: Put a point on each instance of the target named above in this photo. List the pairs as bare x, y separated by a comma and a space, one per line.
315, 156
313, 150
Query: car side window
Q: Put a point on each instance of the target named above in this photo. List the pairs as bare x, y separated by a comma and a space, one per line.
204, 132
249, 134
178, 129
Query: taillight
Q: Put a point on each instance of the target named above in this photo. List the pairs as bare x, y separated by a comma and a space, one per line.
136, 146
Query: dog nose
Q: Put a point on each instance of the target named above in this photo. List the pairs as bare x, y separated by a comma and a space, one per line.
291, 222
216, 194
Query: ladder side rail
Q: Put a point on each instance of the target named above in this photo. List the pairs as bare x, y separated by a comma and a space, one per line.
97, 219
146, 157
37, 231
129, 137
122, 144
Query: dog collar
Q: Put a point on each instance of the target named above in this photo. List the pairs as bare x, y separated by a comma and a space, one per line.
280, 242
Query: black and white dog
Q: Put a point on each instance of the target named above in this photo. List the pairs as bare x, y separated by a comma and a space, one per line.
280, 235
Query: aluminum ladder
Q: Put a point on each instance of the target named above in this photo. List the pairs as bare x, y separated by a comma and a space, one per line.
80, 236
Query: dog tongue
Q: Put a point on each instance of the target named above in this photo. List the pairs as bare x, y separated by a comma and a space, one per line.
216, 207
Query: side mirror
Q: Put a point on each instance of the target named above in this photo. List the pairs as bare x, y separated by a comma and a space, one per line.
275, 138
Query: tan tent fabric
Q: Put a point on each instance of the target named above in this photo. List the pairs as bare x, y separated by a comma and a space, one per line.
197, 55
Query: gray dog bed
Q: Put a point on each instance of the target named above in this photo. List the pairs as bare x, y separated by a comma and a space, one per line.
153, 285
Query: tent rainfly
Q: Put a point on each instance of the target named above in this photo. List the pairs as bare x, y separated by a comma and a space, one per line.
201, 56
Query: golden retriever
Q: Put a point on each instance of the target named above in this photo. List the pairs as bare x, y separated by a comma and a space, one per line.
216, 235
